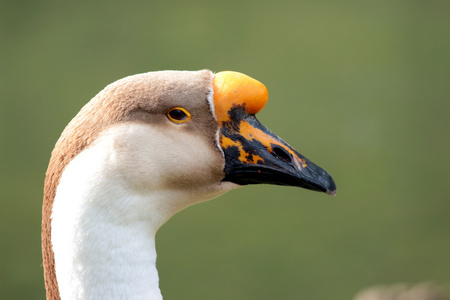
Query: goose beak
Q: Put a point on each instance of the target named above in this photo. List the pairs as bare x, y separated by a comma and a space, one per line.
253, 153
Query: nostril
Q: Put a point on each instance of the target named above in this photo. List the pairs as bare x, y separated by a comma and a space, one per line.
281, 153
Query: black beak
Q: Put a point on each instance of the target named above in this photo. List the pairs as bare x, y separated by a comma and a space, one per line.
255, 155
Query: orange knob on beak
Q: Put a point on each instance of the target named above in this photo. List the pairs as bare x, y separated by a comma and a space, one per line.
253, 153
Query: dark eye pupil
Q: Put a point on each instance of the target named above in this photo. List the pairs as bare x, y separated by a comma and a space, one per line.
178, 114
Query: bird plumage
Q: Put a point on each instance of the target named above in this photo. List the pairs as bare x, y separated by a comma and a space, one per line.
123, 166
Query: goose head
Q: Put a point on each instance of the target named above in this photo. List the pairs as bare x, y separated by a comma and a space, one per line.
144, 148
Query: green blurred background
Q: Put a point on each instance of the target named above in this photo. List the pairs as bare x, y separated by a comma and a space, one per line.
362, 88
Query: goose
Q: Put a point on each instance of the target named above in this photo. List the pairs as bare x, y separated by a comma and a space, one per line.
144, 148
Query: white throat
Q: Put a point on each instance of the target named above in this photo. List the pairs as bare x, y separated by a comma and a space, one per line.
103, 227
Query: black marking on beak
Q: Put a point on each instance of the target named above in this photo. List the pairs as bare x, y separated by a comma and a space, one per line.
255, 155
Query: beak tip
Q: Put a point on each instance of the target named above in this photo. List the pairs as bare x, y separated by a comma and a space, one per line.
328, 184
332, 192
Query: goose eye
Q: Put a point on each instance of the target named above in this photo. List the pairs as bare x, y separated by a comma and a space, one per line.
178, 115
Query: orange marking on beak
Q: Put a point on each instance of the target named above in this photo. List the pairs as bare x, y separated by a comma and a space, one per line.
233, 88
250, 132
244, 156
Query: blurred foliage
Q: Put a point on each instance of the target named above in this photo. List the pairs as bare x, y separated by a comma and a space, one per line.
362, 88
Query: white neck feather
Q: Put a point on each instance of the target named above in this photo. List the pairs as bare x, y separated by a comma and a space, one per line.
104, 243
103, 227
